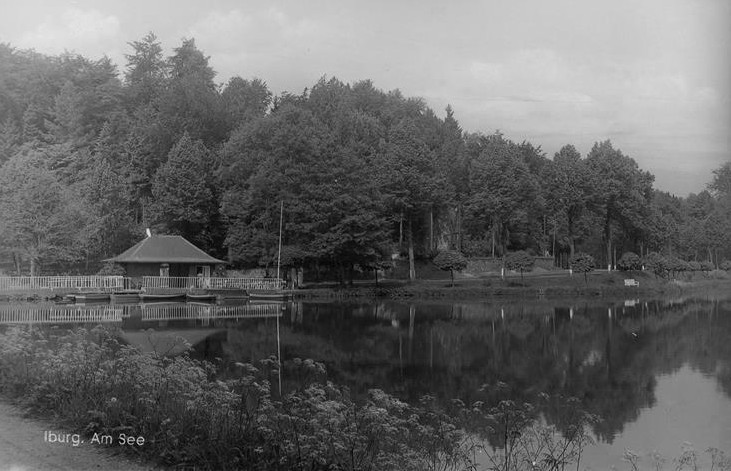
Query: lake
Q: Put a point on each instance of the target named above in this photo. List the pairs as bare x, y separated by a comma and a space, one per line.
656, 373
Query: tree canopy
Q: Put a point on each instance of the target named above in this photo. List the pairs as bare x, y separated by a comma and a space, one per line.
363, 174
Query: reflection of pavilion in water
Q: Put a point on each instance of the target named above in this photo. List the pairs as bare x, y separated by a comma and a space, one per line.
49, 313
161, 328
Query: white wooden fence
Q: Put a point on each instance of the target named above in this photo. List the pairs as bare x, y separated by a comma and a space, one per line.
58, 314
165, 312
184, 283
85, 283
117, 283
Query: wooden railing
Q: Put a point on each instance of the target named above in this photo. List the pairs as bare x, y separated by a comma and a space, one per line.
58, 314
65, 314
185, 283
116, 283
31, 283
164, 312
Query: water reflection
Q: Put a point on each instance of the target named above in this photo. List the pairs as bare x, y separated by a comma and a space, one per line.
624, 359
52, 313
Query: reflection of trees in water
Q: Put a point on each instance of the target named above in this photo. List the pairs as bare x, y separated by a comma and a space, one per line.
606, 355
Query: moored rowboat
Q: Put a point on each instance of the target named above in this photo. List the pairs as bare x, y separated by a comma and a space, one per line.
162, 297
89, 297
202, 297
125, 296
273, 295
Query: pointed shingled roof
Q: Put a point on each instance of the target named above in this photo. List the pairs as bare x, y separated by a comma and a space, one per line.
164, 249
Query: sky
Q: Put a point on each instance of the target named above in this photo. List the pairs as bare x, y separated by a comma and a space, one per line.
653, 76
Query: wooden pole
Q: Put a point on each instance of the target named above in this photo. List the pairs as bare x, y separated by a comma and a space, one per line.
279, 358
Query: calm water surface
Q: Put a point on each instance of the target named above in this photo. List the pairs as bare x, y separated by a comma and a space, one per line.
656, 372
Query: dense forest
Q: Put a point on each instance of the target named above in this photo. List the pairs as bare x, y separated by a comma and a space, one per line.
91, 156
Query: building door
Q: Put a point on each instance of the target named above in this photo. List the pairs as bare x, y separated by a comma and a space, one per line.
203, 274
164, 275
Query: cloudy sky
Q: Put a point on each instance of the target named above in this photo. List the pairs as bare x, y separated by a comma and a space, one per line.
654, 76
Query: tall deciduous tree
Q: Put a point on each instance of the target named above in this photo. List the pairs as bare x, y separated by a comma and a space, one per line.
568, 186
147, 71
191, 102
502, 189
244, 100
622, 191
184, 201
409, 179
41, 223
89, 97
332, 208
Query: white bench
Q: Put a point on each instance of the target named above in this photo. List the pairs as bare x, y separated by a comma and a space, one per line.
631, 282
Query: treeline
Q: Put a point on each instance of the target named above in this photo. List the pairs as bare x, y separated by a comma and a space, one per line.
91, 157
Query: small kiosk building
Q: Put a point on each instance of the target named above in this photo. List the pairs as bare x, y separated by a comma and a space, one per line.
166, 256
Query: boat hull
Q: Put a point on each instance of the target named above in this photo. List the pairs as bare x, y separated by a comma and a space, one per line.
269, 296
162, 297
126, 297
201, 297
89, 297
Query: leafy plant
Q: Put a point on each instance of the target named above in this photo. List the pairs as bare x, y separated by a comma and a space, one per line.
656, 263
629, 261
520, 261
582, 263
450, 260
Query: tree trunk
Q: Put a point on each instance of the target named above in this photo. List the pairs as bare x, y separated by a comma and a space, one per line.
459, 227
608, 236
451, 272
412, 268
431, 230
16, 261
570, 227
33, 266
401, 232
493, 242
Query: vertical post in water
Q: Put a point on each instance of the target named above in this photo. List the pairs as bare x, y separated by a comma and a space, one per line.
279, 255
279, 358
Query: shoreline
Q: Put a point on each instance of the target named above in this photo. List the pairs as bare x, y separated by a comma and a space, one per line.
545, 286
483, 289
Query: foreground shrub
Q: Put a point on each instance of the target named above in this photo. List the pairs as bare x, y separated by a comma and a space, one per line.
112, 269
582, 263
629, 261
94, 384
189, 419
656, 263
520, 261
450, 260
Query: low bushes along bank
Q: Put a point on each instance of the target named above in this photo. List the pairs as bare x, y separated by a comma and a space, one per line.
93, 384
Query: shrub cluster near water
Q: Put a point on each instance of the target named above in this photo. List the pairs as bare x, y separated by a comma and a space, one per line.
93, 383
